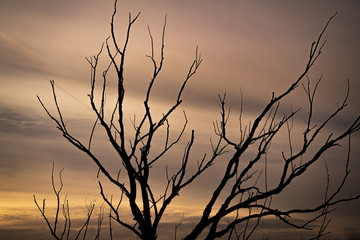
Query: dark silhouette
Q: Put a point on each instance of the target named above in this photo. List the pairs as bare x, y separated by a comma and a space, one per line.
239, 187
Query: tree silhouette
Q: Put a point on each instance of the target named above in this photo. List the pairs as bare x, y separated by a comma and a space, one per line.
239, 187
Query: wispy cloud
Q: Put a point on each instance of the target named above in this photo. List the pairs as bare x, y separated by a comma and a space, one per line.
18, 59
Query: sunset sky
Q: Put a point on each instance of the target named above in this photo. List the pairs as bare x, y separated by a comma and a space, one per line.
249, 47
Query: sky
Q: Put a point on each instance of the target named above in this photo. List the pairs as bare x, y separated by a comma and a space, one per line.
249, 47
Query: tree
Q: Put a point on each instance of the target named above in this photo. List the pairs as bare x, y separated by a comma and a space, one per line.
239, 187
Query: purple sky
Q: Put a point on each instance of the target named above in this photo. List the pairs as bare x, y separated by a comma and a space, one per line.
253, 47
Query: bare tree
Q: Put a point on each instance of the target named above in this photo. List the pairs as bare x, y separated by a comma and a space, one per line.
239, 187
64, 233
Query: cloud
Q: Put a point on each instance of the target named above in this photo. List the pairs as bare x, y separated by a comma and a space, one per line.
352, 233
31, 226
16, 58
21, 122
